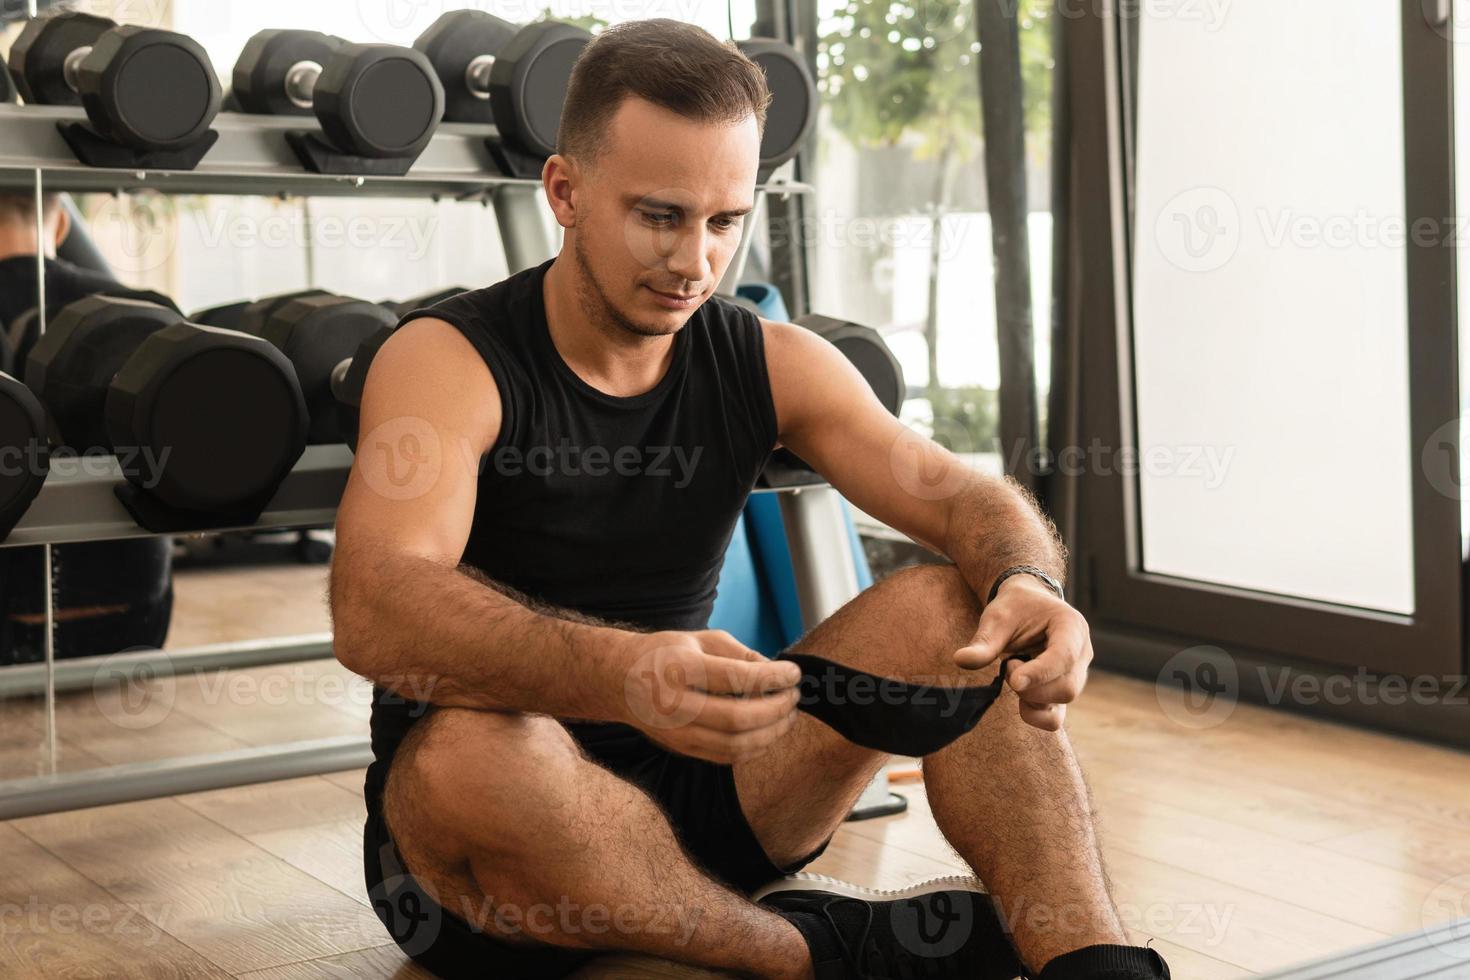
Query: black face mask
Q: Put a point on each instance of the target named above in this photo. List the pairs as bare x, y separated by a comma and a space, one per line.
890, 715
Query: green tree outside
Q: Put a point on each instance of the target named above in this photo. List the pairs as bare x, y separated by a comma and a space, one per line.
906, 72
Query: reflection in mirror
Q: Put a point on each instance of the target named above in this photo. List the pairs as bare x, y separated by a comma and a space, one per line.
224, 609
101, 595
247, 662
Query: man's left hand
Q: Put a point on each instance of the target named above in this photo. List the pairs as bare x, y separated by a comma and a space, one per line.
1026, 615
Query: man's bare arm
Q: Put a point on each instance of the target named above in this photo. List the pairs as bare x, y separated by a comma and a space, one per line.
829, 416
404, 614
432, 632
995, 524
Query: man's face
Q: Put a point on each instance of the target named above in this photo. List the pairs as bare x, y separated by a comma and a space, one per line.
660, 214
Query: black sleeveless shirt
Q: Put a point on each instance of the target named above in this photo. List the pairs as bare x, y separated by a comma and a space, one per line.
614, 507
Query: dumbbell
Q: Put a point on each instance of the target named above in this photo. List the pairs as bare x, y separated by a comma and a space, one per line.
371, 100
256, 315
24, 453
793, 108
22, 330
7, 343
247, 315
203, 419
317, 333
142, 87
493, 71
225, 315
426, 300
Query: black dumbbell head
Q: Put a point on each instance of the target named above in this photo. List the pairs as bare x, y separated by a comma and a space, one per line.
426, 300
225, 315
459, 45
528, 84
24, 453
259, 82
149, 89
216, 417
868, 352
379, 100
7, 346
316, 333
793, 107
73, 362
21, 335
38, 56
254, 317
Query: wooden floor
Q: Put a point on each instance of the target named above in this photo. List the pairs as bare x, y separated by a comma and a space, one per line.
1264, 841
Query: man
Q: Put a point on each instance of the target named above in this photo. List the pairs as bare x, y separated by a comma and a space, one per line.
567, 761
107, 595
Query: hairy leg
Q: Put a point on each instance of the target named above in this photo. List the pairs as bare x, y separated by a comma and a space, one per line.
1009, 798
499, 815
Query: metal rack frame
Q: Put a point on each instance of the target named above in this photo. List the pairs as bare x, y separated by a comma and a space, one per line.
253, 157
80, 673
78, 502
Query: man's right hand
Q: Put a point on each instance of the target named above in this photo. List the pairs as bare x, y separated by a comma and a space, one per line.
706, 695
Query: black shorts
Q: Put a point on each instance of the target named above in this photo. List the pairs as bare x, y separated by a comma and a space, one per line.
699, 799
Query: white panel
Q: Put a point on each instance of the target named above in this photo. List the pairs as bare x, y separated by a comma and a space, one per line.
1270, 323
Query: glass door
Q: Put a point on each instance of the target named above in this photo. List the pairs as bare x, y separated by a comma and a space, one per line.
1273, 364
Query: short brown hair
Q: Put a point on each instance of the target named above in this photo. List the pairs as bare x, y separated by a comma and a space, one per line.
672, 64
21, 205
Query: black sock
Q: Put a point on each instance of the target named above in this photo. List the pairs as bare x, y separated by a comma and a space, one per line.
888, 714
1107, 962
820, 941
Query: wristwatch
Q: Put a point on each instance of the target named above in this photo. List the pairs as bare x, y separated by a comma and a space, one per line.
1051, 583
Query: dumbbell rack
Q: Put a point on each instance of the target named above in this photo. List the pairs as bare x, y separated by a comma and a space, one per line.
252, 157
78, 502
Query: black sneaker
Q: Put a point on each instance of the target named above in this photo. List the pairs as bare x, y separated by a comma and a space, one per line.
944, 927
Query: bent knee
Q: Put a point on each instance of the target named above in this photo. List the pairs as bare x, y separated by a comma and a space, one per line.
463, 777
940, 610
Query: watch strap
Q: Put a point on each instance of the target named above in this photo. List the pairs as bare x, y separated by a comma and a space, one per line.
1051, 583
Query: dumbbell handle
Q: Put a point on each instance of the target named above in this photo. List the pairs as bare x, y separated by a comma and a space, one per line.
477, 75
301, 82
339, 383
72, 65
